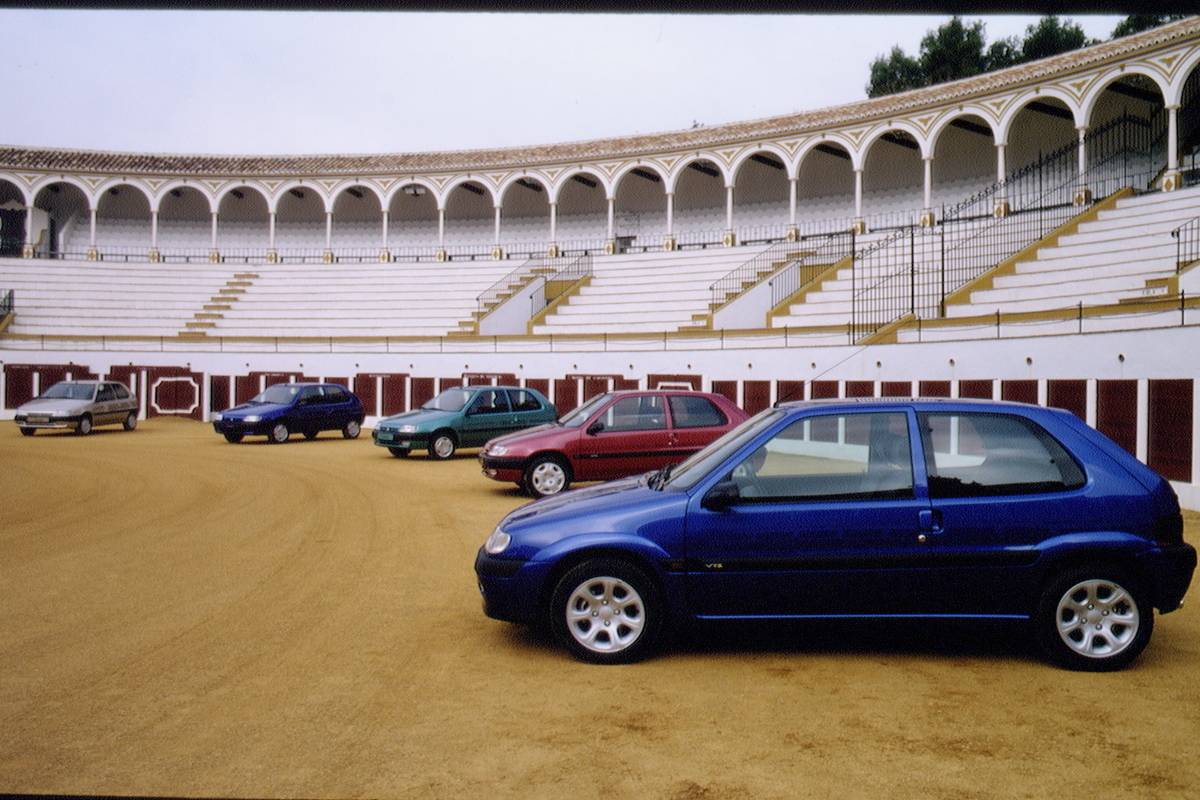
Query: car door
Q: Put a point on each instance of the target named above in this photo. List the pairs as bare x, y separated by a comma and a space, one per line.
998, 484
695, 421
826, 522
527, 410
625, 437
487, 416
104, 409
309, 410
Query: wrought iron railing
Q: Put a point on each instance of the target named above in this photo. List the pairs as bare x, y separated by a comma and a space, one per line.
1187, 243
557, 284
756, 268
6, 304
510, 282
803, 271
912, 271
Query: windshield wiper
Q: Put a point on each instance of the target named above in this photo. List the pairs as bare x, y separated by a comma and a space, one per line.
659, 478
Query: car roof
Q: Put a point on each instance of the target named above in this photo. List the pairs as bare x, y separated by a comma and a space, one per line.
920, 403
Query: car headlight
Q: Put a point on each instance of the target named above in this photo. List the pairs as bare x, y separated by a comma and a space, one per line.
498, 450
252, 418
408, 428
497, 543
216, 417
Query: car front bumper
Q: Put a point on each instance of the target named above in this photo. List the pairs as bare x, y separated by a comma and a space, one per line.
510, 588
51, 423
242, 428
394, 440
503, 468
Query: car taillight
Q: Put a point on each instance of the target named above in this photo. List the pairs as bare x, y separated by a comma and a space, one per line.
1168, 529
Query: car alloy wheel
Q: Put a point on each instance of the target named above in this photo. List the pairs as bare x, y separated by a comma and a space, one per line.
606, 611
85, 425
546, 476
280, 433
1093, 619
442, 446
130, 422
351, 429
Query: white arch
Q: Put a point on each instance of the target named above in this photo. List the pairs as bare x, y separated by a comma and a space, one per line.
183, 183
1175, 96
512, 178
337, 190
113, 182
943, 122
229, 187
789, 165
1088, 105
273, 200
429, 185
812, 144
878, 131
49, 180
600, 177
1025, 98
677, 172
620, 174
21, 187
444, 197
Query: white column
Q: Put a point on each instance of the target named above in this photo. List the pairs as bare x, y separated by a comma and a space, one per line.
792, 201
928, 181
496, 236
1082, 152
1143, 420
729, 207
270, 230
29, 225
1001, 170
384, 215
553, 222
441, 227
92, 228
205, 396
858, 193
1172, 137
214, 230
328, 230
154, 229
611, 204
1090, 402
670, 213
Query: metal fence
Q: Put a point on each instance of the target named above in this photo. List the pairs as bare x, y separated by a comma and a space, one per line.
6, 304
557, 284
1187, 243
804, 270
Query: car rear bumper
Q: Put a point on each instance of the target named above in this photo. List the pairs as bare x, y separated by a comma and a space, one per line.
1170, 569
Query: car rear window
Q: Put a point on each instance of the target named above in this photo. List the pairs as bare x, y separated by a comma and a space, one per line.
981, 454
689, 411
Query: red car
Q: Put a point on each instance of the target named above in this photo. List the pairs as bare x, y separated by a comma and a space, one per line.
612, 435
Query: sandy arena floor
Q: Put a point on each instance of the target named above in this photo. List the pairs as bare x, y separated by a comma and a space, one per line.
181, 616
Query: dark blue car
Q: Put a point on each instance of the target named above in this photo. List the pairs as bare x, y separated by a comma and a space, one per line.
859, 509
287, 408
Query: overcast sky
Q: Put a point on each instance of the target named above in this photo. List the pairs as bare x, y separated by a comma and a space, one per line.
263, 82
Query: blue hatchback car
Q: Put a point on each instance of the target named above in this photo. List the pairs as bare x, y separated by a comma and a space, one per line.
287, 408
859, 509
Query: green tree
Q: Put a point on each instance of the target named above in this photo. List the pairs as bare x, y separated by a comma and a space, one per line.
896, 72
1050, 36
952, 51
1136, 23
1003, 53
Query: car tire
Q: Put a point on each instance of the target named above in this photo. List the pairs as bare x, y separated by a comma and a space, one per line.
84, 428
233, 438
279, 434
1093, 618
399, 452
310, 435
28, 431
606, 611
547, 475
442, 445
351, 429
130, 422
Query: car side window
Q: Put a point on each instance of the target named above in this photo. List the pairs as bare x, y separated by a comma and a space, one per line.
334, 394
311, 395
642, 413
523, 400
490, 401
688, 411
981, 454
105, 394
121, 392
831, 457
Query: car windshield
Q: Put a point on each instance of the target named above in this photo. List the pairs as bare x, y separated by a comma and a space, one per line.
688, 473
449, 400
573, 419
66, 390
280, 394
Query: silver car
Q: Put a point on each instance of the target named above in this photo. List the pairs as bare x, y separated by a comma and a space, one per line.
80, 405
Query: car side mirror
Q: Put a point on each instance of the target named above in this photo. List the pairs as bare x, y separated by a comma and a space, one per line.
595, 427
721, 496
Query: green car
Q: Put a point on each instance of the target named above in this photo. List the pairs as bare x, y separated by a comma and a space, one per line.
463, 417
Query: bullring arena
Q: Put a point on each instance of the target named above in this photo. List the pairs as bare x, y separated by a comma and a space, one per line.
186, 617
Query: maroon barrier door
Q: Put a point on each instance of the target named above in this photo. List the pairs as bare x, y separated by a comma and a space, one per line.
1070, 395
1169, 441
420, 391
18, 384
756, 395
1116, 412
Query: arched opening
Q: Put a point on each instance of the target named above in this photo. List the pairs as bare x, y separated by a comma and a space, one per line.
1127, 135
582, 211
243, 222
123, 221
1044, 126
357, 221
893, 180
760, 197
61, 224
300, 223
825, 189
470, 216
640, 206
12, 219
964, 160
412, 220
525, 214
700, 203
1188, 127
184, 223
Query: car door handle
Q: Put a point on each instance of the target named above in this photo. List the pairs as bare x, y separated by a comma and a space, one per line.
928, 521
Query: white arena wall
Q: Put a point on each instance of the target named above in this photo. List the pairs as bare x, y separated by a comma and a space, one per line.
1143, 356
